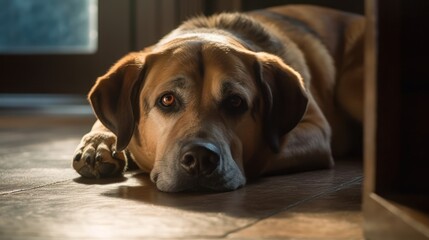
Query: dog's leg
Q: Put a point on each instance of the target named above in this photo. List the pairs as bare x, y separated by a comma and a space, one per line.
306, 147
96, 157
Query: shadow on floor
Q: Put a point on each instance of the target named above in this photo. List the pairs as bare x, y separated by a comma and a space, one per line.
260, 198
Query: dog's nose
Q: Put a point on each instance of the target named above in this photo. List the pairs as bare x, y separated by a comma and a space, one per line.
200, 158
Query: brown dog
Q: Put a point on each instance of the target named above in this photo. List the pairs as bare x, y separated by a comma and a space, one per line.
231, 96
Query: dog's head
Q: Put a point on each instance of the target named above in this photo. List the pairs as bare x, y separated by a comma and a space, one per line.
198, 108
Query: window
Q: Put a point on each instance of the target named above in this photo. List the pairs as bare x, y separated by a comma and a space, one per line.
48, 26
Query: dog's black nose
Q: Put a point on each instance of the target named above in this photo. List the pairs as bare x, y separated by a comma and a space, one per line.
200, 158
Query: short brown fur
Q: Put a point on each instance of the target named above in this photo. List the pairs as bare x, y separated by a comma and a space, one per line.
266, 92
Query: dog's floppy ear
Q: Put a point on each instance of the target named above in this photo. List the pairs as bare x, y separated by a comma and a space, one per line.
284, 96
114, 97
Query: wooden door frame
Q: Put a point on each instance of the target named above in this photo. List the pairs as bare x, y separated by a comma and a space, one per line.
389, 211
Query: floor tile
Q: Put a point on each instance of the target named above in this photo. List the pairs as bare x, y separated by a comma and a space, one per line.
335, 215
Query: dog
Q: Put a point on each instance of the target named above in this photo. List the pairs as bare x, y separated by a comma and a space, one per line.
230, 97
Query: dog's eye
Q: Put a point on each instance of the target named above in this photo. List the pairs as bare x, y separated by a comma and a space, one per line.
235, 102
169, 103
235, 105
168, 100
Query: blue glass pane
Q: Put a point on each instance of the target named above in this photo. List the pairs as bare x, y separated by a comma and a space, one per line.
48, 26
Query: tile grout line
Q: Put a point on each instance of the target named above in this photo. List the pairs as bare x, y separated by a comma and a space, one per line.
32, 188
334, 189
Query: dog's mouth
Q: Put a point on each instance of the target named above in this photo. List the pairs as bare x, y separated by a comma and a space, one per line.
200, 166
219, 183
213, 184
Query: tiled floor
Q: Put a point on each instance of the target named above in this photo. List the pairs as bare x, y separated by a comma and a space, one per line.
41, 197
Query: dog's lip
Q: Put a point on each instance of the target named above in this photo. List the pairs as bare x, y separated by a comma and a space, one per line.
200, 184
154, 176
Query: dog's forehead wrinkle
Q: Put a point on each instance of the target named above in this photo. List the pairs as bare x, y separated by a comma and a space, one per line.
232, 64
232, 84
188, 44
178, 82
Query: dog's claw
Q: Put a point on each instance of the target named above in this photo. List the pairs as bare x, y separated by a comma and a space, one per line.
115, 154
89, 160
77, 156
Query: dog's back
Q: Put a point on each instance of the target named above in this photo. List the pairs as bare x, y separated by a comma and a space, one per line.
336, 82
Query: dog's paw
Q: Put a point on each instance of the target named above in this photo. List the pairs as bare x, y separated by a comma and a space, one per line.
96, 157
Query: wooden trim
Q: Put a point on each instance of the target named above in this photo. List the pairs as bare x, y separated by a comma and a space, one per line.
389, 211
147, 31
370, 100
190, 8
386, 219
227, 5
156, 18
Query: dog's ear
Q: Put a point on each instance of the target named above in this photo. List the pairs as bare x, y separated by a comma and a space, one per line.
284, 96
115, 97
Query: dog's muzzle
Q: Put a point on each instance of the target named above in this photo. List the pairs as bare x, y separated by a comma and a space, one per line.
198, 164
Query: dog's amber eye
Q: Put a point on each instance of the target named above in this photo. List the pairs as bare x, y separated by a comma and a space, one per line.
168, 100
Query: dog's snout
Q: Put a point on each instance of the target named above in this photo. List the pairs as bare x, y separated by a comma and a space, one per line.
200, 159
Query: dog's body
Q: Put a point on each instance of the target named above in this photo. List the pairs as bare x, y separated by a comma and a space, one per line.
231, 96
